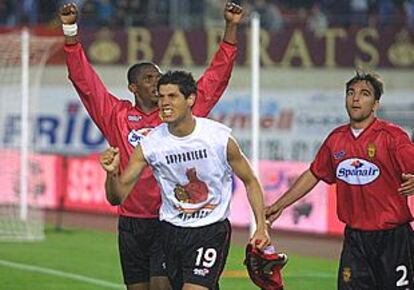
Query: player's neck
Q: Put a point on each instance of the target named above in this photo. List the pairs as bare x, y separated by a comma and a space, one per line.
145, 106
184, 127
362, 124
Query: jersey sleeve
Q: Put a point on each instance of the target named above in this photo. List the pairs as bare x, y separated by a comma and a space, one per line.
403, 150
322, 166
214, 81
94, 95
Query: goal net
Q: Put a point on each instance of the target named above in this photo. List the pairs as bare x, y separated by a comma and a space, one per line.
22, 61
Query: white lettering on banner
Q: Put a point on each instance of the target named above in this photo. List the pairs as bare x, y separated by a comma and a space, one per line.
293, 122
290, 130
70, 132
357, 171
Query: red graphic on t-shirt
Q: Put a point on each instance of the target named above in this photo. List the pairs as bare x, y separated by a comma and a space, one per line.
195, 191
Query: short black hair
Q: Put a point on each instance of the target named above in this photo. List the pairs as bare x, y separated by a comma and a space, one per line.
373, 78
184, 80
136, 69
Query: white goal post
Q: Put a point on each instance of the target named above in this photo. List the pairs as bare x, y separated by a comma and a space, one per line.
23, 59
255, 86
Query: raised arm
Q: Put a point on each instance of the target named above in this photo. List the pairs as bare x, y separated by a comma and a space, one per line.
68, 15
233, 15
118, 186
243, 170
299, 189
94, 95
214, 81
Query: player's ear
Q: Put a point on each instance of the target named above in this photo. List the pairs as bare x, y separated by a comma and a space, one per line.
132, 88
376, 106
191, 100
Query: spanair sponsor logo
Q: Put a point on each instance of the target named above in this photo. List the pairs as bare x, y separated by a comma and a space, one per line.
357, 171
135, 136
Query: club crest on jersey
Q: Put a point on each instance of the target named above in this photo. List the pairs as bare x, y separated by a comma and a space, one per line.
346, 274
357, 171
372, 150
136, 136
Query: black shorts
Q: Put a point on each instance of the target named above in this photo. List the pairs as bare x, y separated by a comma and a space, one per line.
196, 255
140, 249
381, 260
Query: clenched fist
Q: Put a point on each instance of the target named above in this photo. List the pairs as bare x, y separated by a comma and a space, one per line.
68, 13
233, 13
110, 160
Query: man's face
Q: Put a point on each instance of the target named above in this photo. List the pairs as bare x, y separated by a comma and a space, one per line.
360, 102
173, 105
145, 85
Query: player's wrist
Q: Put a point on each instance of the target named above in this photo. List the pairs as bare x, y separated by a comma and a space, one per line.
261, 225
113, 173
70, 29
231, 26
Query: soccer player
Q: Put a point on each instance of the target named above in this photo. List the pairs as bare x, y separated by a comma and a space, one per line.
371, 162
192, 160
125, 125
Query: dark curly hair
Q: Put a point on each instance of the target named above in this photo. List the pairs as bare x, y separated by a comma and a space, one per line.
371, 77
135, 70
184, 80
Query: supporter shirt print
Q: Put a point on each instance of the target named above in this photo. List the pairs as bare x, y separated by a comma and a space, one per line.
193, 172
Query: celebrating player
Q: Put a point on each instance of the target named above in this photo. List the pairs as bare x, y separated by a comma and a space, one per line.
192, 160
125, 125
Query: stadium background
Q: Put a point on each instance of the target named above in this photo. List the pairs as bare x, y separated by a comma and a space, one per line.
309, 49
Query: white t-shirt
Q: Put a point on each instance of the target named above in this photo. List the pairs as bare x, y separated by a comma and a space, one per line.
193, 173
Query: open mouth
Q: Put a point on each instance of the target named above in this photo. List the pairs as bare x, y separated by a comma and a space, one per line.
167, 112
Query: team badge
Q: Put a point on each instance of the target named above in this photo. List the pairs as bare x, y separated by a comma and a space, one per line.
372, 150
346, 274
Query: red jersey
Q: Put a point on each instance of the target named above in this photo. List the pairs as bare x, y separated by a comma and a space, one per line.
124, 125
367, 171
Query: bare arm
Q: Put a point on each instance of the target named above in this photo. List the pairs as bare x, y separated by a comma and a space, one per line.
407, 186
214, 81
118, 186
233, 14
244, 171
299, 189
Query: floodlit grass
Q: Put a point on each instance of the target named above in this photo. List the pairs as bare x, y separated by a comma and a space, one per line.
88, 260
